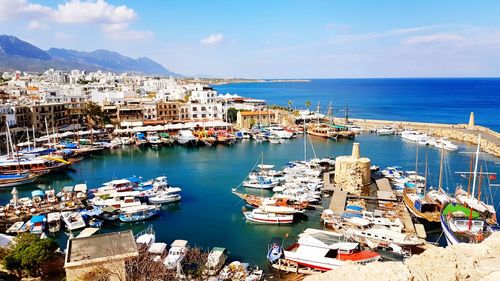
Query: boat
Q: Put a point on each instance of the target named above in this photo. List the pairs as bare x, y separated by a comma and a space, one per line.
216, 260
73, 220
413, 135
118, 185
260, 183
280, 132
321, 130
260, 216
10, 180
166, 139
256, 274
275, 250
445, 144
137, 213
147, 237
185, 137
110, 213
421, 206
13, 229
384, 131
169, 195
38, 165
461, 224
235, 271
176, 254
54, 221
37, 224
153, 139
325, 250
140, 139
94, 222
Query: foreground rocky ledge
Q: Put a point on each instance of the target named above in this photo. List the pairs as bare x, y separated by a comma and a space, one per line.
458, 262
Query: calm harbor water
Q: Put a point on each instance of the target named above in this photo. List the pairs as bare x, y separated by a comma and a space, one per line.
439, 100
209, 214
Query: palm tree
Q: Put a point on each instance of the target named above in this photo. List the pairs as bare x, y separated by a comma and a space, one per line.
290, 102
308, 104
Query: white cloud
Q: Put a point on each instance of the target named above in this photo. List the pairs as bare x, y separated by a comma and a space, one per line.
36, 25
433, 38
114, 20
212, 39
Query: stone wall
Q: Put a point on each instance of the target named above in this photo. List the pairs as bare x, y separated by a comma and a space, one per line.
351, 173
487, 146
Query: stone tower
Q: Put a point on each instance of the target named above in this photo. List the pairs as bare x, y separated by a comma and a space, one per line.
352, 172
472, 122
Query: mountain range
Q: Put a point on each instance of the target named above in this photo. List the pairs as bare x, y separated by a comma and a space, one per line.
16, 54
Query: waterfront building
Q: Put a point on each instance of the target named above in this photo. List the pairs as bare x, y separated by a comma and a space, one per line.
204, 104
246, 119
105, 253
55, 114
130, 114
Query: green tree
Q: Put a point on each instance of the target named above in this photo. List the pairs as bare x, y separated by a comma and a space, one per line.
232, 115
29, 254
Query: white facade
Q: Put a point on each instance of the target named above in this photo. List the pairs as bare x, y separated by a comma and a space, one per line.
204, 104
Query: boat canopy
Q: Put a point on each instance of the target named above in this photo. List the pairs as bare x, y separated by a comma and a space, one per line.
353, 208
38, 219
38, 193
157, 248
180, 243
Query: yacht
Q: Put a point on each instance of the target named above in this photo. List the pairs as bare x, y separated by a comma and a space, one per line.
216, 260
326, 250
260, 183
413, 135
153, 139
168, 195
54, 221
176, 254
387, 130
262, 216
280, 132
463, 225
137, 213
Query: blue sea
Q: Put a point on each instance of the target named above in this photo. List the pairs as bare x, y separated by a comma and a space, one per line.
439, 100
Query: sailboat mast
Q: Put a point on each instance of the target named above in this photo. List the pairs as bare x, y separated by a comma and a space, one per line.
425, 181
28, 136
47, 131
469, 178
305, 141
475, 166
34, 138
416, 164
440, 185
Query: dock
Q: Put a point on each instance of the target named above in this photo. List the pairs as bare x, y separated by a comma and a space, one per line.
339, 199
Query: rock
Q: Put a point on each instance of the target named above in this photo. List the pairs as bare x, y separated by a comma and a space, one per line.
457, 262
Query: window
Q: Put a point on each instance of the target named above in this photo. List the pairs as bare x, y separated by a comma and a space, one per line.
331, 254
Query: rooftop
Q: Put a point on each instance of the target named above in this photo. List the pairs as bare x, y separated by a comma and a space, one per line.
103, 247
256, 113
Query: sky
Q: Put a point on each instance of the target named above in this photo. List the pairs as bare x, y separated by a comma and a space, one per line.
274, 38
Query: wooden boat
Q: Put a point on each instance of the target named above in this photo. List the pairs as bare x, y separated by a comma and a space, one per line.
420, 206
259, 201
39, 165
463, 225
10, 180
321, 130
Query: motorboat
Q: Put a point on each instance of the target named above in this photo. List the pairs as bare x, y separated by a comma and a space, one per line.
280, 132
140, 139
54, 221
275, 250
73, 220
326, 250
110, 213
153, 139
216, 260
137, 213
13, 229
413, 135
260, 183
263, 217
147, 237
176, 254
384, 131
168, 195
118, 185
37, 224
185, 137
9, 180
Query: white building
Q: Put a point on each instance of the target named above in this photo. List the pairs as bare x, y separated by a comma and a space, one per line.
204, 104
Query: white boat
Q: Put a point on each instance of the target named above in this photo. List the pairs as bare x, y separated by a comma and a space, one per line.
54, 221
260, 183
15, 227
153, 139
445, 144
216, 260
185, 137
126, 140
146, 237
362, 230
137, 213
326, 250
166, 196
73, 220
280, 132
462, 224
413, 135
176, 254
259, 216
387, 130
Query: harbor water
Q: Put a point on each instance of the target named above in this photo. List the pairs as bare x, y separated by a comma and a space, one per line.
209, 214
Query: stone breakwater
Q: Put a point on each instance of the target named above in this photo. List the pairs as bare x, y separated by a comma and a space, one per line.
490, 142
458, 262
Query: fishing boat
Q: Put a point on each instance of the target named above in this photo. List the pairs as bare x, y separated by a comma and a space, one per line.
421, 206
73, 220
153, 139
166, 139
168, 195
216, 260
140, 139
321, 130
37, 224
326, 250
54, 221
275, 250
263, 217
9, 180
463, 225
185, 137
176, 254
137, 213
110, 213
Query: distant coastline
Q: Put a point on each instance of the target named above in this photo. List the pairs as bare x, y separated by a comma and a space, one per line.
238, 81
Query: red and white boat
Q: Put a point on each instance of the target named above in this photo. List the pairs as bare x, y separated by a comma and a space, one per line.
261, 216
326, 250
